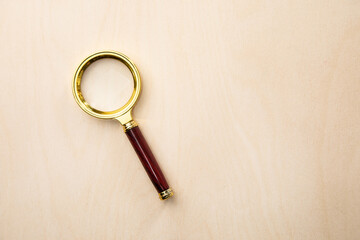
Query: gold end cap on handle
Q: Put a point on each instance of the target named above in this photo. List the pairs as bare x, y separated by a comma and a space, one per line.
168, 193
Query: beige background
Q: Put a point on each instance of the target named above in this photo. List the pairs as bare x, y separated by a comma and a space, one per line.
251, 107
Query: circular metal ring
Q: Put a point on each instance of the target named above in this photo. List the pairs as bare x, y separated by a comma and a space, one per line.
77, 85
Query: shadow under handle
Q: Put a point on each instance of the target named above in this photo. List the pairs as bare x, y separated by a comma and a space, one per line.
149, 162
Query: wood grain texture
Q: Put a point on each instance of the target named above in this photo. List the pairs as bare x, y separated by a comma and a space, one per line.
252, 109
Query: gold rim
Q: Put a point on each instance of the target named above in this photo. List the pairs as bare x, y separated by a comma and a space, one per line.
122, 114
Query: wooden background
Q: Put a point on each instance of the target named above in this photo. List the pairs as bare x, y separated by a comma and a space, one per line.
251, 107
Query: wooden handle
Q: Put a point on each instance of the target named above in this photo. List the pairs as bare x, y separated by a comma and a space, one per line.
149, 162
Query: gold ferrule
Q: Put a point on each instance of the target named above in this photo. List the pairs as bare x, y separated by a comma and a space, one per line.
166, 194
129, 125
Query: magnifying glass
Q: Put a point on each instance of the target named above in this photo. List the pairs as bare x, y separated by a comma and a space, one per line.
124, 116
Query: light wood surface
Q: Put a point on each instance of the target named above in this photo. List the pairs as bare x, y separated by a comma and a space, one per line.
252, 109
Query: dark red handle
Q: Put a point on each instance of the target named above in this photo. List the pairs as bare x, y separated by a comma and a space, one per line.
148, 161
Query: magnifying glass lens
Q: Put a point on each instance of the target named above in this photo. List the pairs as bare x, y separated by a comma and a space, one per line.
107, 84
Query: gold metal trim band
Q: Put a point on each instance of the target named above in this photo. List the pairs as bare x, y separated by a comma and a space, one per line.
130, 125
166, 194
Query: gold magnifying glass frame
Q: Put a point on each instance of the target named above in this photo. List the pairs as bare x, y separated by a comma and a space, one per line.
123, 114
